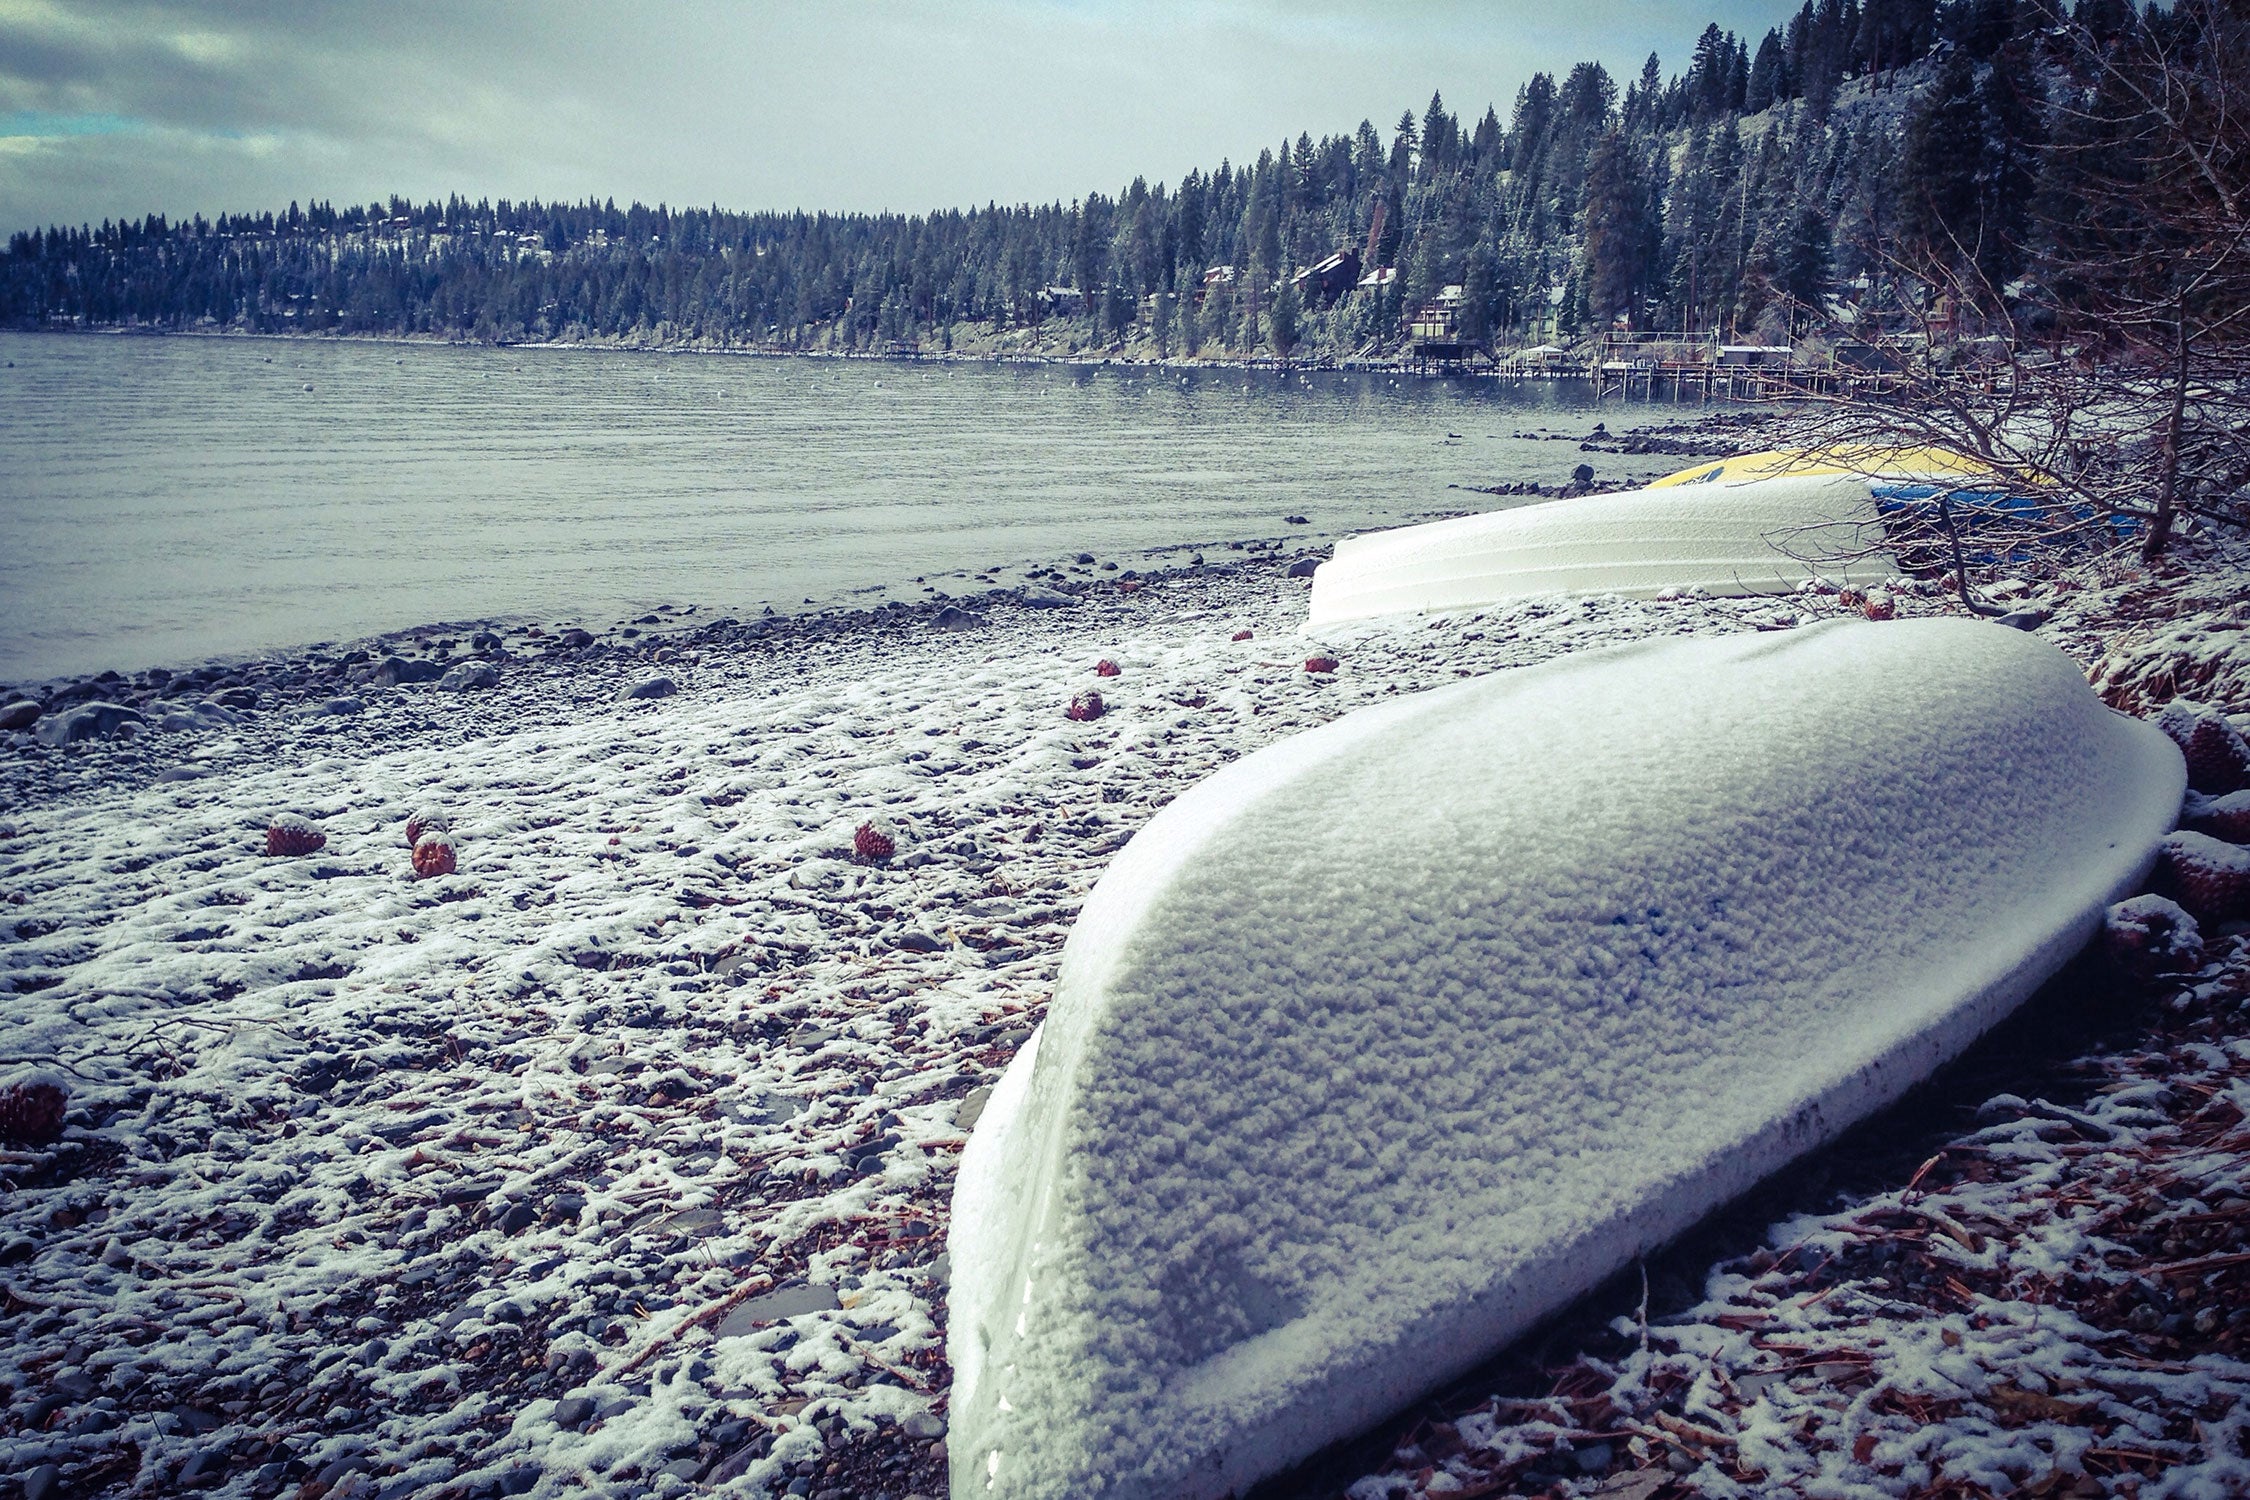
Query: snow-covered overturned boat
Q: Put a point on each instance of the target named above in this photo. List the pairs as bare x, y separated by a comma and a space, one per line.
1389, 1040
1760, 523
1764, 535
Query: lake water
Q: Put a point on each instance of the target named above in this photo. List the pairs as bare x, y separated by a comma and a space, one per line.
167, 500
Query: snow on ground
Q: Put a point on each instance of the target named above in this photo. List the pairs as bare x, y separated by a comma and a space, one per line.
1387, 1042
617, 1162
430, 1181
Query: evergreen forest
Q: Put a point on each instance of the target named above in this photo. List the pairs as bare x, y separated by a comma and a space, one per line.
1758, 183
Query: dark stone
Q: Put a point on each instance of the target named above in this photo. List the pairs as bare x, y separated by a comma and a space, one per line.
42, 1483
519, 1481
518, 1218
1303, 567
917, 942
334, 1471
651, 687
21, 714
783, 1302
237, 698
2025, 619
468, 675
955, 618
393, 670
97, 720
575, 639
484, 640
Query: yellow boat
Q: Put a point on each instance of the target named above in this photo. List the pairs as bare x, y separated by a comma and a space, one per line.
1869, 460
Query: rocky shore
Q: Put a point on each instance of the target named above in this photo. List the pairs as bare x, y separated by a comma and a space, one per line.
615, 1157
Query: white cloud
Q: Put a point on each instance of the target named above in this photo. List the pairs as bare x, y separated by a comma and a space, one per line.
900, 104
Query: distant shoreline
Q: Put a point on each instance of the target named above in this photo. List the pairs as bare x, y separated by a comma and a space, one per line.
1082, 360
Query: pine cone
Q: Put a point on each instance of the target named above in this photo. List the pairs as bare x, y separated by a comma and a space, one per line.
872, 844
1085, 708
2225, 817
31, 1114
2218, 760
433, 855
290, 835
2207, 876
2149, 936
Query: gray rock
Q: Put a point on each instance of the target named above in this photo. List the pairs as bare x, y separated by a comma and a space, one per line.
21, 714
917, 942
783, 1302
573, 1411
691, 1221
1303, 567
236, 698
1039, 597
651, 687
87, 721
955, 618
484, 640
42, 1483
2024, 619
470, 674
393, 670
683, 1468
182, 773
972, 1107
196, 718
345, 705
924, 1424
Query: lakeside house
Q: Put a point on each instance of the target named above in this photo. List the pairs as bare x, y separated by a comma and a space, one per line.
1435, 334
1753, 356
1328, 280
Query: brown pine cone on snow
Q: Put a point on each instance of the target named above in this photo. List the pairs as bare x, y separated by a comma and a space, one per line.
2218, 759
2208, 876
433, 855
289, 835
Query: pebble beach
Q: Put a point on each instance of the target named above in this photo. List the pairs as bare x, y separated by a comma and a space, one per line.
617, 1158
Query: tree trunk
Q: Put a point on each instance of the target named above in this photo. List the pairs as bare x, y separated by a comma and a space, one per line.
2168, 486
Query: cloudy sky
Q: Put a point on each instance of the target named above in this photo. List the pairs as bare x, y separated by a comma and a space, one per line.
114, 108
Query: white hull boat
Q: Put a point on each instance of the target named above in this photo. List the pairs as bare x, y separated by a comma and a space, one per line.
1392, 1039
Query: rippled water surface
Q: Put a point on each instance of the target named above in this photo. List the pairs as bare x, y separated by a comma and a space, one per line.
164, 500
